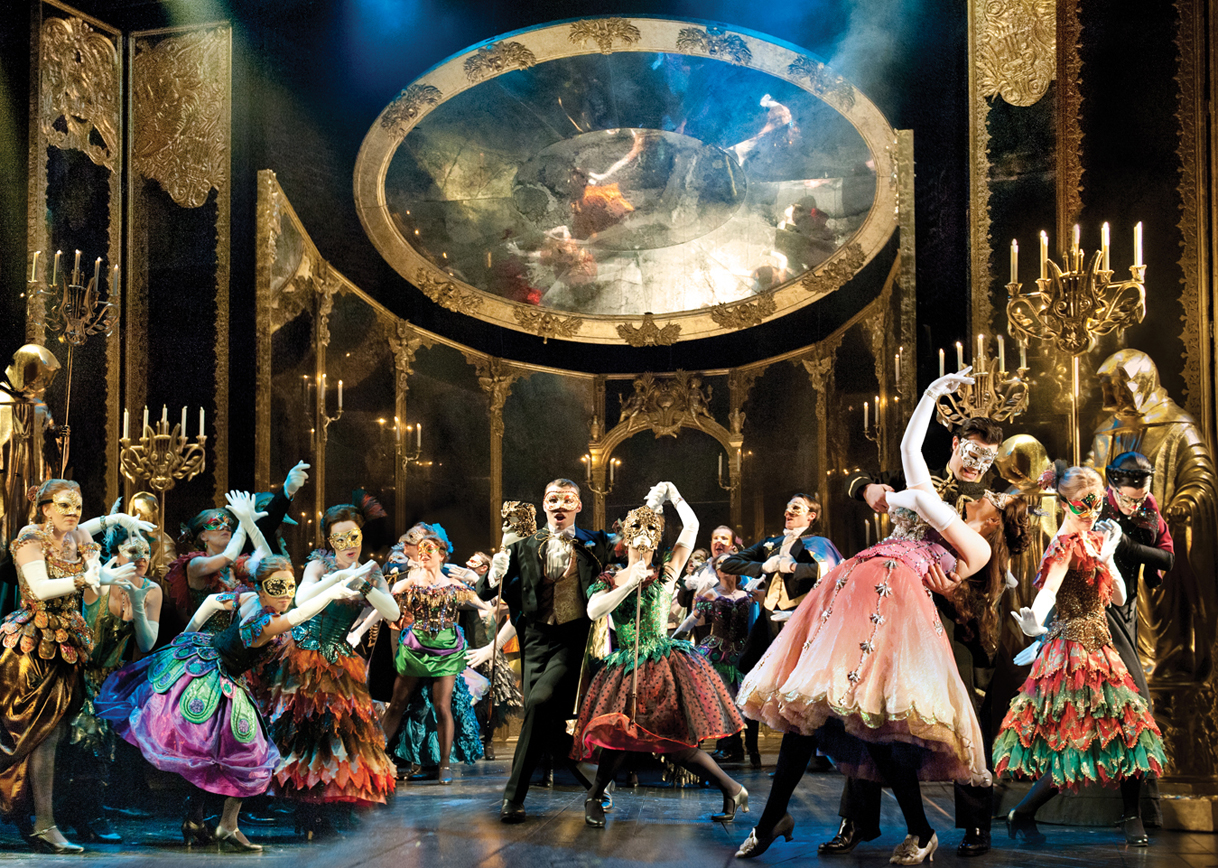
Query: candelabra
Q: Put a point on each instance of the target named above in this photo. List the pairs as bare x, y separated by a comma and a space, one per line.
996, 393
1071, 308
732, 481
610, 474
79, 315
162, 456
878, 431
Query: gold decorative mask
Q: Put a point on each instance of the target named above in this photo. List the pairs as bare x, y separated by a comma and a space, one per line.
428, 548
797, 507
643, 529
67, 503
281, 584
135, 548
352, 539
565, 499
1000, 499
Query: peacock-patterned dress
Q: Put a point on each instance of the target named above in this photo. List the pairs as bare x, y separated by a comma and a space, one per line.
1079, 716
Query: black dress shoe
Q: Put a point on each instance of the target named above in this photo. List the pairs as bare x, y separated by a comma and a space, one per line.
974, 843
1135, 833
594, 811
847, 838
488, 750
511, 812
547, 779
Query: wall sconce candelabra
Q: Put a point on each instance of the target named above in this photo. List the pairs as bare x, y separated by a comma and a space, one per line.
732, 481
877, 426
161, 457
609, 474
79, 315
996, 392
409, 448
323, 415
1071, 308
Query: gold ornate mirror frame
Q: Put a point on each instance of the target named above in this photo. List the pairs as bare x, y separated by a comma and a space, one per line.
529, 48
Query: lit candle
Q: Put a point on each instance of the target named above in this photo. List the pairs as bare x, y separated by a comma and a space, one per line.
1002, 355
55, 269
182, 429
126, 421
867, 533
721, 459
1014, 261
340, 395
1104, 241
979, 360
145, 419
1044, 255
418, 436
959, 356
1078, 237
397, 430
866, 416
200, 421
97, 275
896, 361
165, 413
942, 362
613, 470
1137, 243
1023, 355
76, 270
34, 267
114, 280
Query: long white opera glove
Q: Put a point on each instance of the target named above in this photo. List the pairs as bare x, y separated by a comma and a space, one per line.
43, 588
912, 460
604, 602
207, 608
499, 568
145, 631
300, 614
926, 504
1031, 621
295, 480
689, 519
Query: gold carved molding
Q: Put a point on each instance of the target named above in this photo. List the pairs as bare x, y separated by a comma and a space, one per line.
824, 82
649, 334
604, 32
448, 294
410, 103
496, 378
1015, 51
1069, 170
839, 269
182, 113
498, 57
1195, 216
80, 88
547, 325
713, 42
745, 314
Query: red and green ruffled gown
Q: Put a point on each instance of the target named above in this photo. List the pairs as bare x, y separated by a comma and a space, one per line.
322, 717
681, 698
1079, 716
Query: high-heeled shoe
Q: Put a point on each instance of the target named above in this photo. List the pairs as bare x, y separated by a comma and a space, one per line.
1135, 834
1023, 826
195, 832
909, 852
740, 801
234, 839
757, 843
444, 775
51, 840
594, 811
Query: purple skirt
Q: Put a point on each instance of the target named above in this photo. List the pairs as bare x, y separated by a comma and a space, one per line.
187, 715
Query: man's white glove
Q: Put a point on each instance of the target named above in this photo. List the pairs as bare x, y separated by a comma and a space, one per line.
781, 614
296, 479
771, 564
499, 568
753, 584
786, 564
1027, 655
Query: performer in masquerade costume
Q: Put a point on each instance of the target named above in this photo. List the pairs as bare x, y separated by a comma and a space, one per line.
1078, 718
124, 624
545, 580
432, 647
322, 718
45, 646
219, 567
188, 708
505, 699
653, 694
970, 617
865, 666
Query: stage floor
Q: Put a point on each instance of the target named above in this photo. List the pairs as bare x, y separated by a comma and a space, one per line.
429, 825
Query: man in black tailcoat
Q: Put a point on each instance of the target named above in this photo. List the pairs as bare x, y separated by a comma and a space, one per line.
545, 579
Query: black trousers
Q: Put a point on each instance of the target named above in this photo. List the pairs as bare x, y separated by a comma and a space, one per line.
861, 803
551, 657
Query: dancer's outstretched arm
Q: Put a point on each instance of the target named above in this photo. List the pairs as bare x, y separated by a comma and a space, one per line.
917, 474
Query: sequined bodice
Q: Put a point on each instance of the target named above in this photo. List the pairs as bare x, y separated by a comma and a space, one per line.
1080, 611
729, 623
55, 627
652, 624
434, 608
219, 582
913, 542
326, 632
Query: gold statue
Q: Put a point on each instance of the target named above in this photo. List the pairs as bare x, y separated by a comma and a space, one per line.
145, 506
1176, 620
27, 454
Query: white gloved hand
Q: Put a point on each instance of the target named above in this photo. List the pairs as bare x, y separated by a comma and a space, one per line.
499, 568
1112, 537
1028, 622
753, 584
111, 573
706, 584
781, 614
478, 656
949, 383
296, 479
786, 564
355, 576
771, 564
1027, 655
1011, 582
131, 524
656, 496
241, 504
